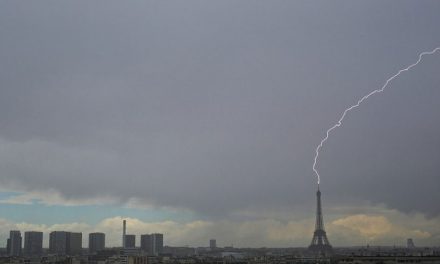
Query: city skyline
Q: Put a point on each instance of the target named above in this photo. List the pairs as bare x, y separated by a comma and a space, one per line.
71, 243
199, 120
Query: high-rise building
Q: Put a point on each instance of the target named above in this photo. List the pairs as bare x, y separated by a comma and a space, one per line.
65, 243
130, 241
14, 243
74, 246
152, 244
158, 243
33, 243
410, 244
58, 242
146, 244
212, 244
96, 242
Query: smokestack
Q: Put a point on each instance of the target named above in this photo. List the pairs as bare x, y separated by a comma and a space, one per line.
124, 229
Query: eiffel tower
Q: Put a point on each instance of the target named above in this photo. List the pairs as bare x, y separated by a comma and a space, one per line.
320, 245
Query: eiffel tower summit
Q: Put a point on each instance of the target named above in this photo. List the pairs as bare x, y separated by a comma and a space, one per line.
320, 245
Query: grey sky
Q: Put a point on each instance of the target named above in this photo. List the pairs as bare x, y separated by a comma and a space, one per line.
217, 106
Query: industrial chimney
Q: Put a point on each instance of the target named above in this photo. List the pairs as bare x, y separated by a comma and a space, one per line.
124, 229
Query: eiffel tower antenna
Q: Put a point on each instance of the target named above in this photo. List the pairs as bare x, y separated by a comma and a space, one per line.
320, 244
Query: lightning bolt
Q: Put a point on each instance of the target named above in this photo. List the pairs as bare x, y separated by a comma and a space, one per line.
359, 102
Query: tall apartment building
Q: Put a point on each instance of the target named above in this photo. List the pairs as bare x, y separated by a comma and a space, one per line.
58, 242
96, 242
14, 243
33, 243
130, 241
75, 244
152, 244
158, 243
146, 244
212, 244
65, 243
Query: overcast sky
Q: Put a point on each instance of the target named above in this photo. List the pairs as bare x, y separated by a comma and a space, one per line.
200, 119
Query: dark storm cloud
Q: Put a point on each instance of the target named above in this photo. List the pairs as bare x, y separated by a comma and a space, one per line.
217, 106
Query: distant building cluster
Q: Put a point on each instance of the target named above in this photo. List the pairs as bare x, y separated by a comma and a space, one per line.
63, 243
66, 247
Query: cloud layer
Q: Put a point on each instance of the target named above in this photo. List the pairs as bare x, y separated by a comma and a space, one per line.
217, 108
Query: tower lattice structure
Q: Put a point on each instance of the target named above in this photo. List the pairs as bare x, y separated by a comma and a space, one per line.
320, 244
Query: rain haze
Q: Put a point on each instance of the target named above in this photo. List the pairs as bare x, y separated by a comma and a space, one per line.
200, 119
